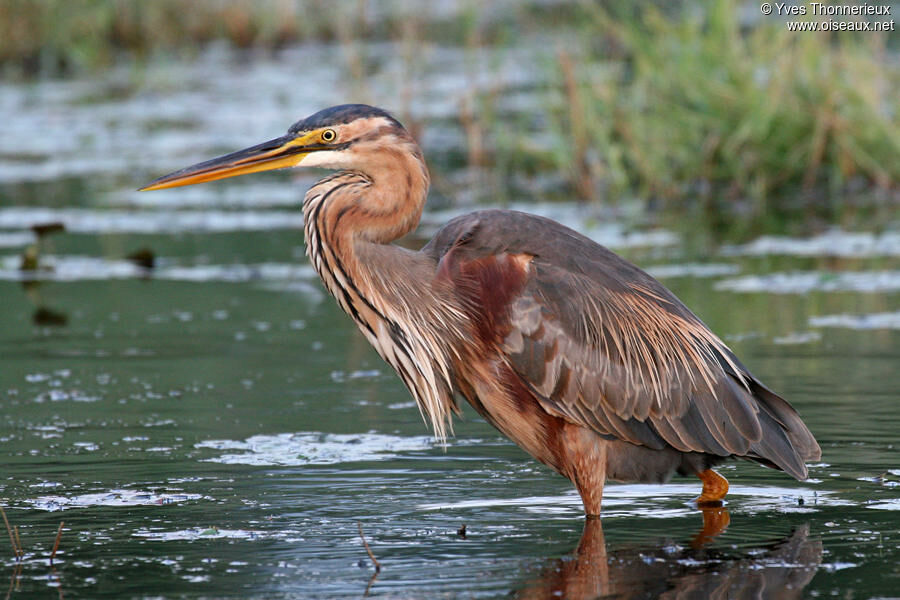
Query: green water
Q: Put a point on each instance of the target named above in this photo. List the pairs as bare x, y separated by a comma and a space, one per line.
217, 428
211, 438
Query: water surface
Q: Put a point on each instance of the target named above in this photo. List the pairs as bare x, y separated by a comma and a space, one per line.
215, 427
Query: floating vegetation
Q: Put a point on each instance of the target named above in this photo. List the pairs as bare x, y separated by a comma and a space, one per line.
47, 317
144, 258
45, 229
30, 259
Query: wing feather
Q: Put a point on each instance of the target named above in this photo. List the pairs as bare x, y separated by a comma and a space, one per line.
604, 345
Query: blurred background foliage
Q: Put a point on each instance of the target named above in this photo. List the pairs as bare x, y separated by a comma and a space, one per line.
705, 106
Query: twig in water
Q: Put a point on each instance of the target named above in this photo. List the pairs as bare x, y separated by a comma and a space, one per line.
368, 550
14, 579
12, 539
21, 552
374, 560
56, 543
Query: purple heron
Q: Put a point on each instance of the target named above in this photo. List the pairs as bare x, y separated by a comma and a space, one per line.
581, 358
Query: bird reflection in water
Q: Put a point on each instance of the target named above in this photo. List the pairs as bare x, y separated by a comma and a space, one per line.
782, 569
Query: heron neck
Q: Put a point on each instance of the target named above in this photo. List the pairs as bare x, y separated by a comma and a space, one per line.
351, 218
392, 203
370, 206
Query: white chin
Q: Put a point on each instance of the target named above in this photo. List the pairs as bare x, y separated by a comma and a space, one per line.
325, 159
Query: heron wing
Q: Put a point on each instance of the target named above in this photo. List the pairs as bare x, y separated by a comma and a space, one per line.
602, 344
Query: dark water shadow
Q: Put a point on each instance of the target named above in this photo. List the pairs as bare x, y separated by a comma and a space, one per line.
781, 569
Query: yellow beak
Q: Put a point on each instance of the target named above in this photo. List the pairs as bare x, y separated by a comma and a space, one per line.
285, 151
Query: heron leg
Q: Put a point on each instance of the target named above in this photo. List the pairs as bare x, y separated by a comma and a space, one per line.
714, 488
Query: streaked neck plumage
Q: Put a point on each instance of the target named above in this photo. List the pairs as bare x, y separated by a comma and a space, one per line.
351, 218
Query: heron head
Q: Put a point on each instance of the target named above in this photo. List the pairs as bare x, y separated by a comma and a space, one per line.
348, 136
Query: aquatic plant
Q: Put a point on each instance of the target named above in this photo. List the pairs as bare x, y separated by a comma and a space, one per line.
696, 104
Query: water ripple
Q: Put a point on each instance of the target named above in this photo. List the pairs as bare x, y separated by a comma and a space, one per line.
693, 270
78, 220
645, 500
803, 282
869, 321
111, 498
87, 268
292, 449
832, 243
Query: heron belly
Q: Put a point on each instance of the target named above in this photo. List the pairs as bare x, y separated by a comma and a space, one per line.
576, 452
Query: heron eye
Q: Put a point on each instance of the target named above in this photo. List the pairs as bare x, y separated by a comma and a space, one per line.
328, 135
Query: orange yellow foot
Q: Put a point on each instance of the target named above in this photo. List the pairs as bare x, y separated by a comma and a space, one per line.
714, 488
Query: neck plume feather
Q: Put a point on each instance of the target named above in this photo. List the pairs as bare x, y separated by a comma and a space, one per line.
350, 219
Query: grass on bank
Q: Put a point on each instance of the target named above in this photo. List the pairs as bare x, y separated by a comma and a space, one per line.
699, 107
689, 104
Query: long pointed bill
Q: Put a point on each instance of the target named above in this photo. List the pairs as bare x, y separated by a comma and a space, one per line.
285, 151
